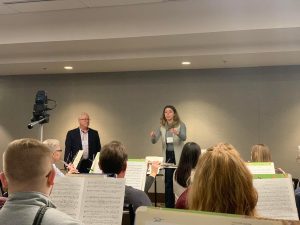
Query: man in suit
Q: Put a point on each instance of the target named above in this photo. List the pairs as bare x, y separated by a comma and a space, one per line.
82, 138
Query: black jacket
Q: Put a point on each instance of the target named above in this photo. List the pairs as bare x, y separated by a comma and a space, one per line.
73, 144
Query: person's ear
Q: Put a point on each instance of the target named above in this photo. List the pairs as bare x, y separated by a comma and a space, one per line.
3, 180
51, 177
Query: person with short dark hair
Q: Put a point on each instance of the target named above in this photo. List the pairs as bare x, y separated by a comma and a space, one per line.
113, 159
29, 176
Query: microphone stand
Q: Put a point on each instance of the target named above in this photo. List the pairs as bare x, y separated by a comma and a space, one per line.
41, 132
32, 124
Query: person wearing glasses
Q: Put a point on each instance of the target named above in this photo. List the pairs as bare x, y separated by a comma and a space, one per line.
82, 138
54, 146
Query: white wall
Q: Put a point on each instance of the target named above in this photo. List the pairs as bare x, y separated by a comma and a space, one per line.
240, 106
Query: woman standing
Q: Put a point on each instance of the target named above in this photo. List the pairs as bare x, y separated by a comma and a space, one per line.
173, 134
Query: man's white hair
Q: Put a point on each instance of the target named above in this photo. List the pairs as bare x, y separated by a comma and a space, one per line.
52, 144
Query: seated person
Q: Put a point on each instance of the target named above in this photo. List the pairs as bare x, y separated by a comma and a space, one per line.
261, 153
222, 183
54, 146
187, 163
29, 176
113, 159
182, 202
297, 198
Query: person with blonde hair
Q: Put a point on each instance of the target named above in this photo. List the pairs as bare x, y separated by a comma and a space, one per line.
262, 153
29, 176
222, 183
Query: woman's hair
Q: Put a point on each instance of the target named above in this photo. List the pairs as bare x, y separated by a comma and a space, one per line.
222, 183
260, 153
226, 147
188, 161
176, 119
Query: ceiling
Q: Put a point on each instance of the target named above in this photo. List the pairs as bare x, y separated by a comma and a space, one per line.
43, 36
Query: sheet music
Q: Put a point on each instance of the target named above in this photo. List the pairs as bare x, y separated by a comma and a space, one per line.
77, 158
67, 195
203, 150
103, 202
135, 175
95, 166
223, 221
276, 197
94, 200
261, 167
154, 216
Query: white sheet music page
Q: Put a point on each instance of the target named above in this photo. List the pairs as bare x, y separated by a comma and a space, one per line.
276, 198
103, 201
135, 175
261, 167
77, 158
155, 216
95, 166
67, 195
93, 199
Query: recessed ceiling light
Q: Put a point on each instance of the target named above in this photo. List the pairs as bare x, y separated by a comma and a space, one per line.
68, 67
186, 63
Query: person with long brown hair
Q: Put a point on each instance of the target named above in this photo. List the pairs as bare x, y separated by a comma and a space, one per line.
262, 153
222, 183
173, 134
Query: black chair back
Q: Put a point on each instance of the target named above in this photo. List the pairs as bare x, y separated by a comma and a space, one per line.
128, 215
295, 182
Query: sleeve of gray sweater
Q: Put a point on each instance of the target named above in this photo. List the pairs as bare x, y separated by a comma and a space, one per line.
182, 132
156, 137
148, 183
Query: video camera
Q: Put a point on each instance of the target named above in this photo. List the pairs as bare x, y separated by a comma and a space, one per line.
40, 109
